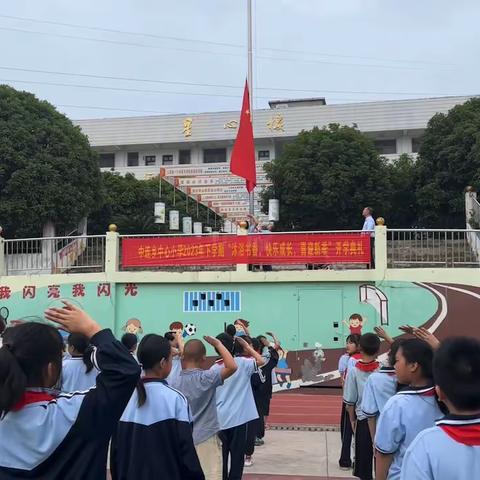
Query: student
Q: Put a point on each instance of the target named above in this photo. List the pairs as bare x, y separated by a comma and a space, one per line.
130, 341
199, 386
154, 436
176, 342
236, 405
451, 449
78, 371
346, 432
352, 396
410, 411
270, 354
380, 387
51, 436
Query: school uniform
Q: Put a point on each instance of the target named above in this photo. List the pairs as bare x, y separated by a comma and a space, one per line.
265, 390
235, 408
380, 387
404, 416
352, 396
66, 436
346, 431
176, 370
450, 450
75, 376
155, 440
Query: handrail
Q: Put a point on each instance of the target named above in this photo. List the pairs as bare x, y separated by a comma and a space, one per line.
9, 240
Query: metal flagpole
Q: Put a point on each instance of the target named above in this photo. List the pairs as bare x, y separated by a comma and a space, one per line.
250, 87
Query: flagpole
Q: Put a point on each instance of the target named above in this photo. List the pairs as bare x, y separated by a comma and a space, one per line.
251, 196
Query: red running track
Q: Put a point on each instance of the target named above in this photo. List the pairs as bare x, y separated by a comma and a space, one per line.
305, 409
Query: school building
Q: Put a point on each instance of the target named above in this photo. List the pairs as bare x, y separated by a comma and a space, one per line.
194, 149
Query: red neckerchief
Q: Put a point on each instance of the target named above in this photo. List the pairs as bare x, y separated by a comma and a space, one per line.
357, 356
428, 391
32, 397
367, 366
462, 429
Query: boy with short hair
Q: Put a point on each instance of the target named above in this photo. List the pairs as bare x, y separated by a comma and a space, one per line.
199, 386
352, 396
451, 449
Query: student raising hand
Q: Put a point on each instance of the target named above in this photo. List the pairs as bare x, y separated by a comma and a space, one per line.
250, 351
73, 319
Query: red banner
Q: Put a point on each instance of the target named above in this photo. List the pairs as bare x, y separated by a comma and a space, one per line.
266, 249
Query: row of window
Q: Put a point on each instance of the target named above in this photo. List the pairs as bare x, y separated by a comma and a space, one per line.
210, 155
386, 147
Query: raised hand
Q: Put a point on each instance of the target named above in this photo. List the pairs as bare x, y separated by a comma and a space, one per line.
212, 340
383, 334
406, 329
73, 319
423, 334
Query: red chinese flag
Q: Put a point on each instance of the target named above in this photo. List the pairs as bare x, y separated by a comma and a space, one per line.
242, 162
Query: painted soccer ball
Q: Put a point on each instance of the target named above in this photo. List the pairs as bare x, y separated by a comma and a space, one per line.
190, 329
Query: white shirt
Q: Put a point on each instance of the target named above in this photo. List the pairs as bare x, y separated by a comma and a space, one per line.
404, 416
235, 402
369, 225
74, 376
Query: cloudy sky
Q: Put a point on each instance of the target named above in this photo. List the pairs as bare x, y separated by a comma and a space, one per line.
103, 58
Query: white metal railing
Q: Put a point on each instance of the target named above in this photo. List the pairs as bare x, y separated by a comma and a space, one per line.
444, 248
49, 255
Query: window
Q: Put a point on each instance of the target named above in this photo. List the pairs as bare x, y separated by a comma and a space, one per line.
264, 154
132, 159
215, 155
150, 160
167, 159
416, 144
106, 160
385, 147
184, 157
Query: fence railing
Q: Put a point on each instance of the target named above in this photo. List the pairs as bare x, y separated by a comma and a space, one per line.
82, 254
394, 248
420, 248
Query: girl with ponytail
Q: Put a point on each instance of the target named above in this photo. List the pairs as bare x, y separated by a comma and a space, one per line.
78, 371
54, 436
154, 436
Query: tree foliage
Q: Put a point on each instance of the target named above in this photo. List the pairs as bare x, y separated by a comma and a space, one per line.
449, 161
325, 177
48, 172
129, 203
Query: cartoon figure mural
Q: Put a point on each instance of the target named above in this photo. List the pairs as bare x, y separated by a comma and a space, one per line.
355, 323
282, 371
241, 326
177, 327
134, 326
311, 372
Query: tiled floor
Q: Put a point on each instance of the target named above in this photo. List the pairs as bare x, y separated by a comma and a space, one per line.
297, 455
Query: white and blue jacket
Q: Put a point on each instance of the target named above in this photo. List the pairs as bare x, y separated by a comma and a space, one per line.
155, 440
450, 450
66, 436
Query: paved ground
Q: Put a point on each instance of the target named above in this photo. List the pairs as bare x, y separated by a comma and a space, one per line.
296, 455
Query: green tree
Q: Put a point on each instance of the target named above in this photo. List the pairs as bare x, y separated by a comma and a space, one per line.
129, 203
449, 160
48, 172
325, 177
402, 175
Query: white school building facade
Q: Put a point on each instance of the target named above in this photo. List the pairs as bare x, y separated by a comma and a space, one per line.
195, 148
